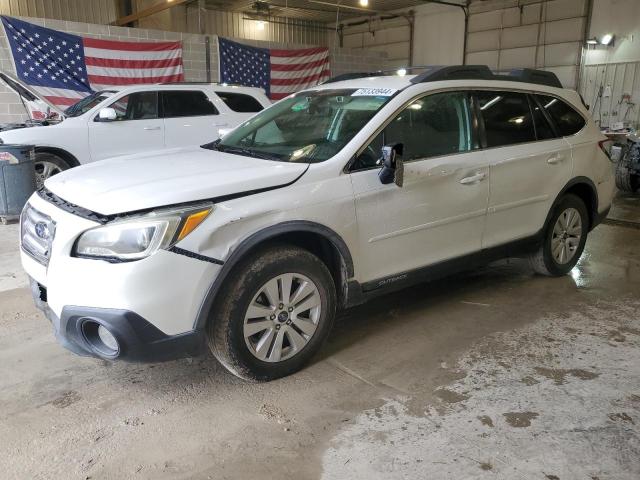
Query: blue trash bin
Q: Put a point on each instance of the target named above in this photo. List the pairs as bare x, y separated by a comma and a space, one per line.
17, 179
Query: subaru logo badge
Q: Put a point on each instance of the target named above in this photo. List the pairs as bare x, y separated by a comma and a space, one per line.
42, 230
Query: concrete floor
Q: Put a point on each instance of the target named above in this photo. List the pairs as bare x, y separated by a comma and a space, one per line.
492, 374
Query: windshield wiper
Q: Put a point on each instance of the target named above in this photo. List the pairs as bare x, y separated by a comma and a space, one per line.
211, 145
246, 151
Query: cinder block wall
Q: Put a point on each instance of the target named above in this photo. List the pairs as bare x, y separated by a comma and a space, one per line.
193, 45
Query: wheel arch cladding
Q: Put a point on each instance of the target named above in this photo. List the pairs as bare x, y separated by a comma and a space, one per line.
314, 237
67, 157
585, 189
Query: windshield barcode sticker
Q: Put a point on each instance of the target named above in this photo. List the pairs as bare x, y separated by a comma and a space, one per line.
374, 92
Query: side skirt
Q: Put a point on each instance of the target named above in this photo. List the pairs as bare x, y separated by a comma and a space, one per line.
359, 293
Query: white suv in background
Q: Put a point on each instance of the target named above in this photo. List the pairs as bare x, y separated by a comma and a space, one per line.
329, 197
144, 118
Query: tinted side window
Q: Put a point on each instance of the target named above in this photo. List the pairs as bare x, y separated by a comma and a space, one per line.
239, 102
186, 104
567, 120
507, 118
434, 125
544, 131
136, 106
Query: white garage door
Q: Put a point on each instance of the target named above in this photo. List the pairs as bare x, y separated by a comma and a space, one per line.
531, 34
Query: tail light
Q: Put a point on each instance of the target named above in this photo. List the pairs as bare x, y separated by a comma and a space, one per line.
605, 146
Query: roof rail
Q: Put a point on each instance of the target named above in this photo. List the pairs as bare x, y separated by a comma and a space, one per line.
438, 73
482, 72
540, 77
353, 76
377, 73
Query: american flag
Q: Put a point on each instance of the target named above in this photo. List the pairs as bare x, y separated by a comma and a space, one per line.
279, 72
64, 68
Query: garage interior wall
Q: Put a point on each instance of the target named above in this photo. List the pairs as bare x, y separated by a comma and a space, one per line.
90, 11
438, 36
611, 74
548, 35
194, 52
191, 18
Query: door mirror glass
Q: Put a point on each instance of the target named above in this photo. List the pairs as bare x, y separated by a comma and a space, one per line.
107, 114
392, 167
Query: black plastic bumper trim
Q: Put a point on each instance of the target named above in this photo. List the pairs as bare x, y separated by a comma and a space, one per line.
600, 217
138, 339
197, 256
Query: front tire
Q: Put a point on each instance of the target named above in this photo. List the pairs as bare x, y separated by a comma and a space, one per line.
274, 313
565, 235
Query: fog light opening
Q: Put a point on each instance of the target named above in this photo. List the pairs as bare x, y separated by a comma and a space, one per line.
100, 339
107, 338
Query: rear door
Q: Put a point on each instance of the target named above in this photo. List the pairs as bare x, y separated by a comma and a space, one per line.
190, 118
529, 164
137, 127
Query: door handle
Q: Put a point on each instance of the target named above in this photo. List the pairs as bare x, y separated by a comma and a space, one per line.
555, 159
151, 128
478, 177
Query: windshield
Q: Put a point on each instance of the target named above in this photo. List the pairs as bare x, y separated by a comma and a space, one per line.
309, 128
87, 103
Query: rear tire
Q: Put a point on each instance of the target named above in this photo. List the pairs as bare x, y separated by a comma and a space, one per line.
625, 180
564, 238
260, 333
47, 165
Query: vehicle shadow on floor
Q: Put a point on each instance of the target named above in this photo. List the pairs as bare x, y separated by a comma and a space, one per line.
503, 295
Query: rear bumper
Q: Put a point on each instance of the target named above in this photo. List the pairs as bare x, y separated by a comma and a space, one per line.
138, 340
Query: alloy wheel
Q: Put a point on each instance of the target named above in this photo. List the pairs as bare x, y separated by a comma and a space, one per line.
282, 317
44, 170
566, 237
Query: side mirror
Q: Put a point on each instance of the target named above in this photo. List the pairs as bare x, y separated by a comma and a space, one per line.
107, 114
392, 167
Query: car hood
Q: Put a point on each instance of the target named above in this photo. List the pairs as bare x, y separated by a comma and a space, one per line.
138, 182
37, 106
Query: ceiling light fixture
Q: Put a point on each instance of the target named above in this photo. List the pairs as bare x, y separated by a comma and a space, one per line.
593, 41
607, 39
364, 3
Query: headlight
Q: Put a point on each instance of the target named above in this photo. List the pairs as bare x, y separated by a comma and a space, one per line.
139, 237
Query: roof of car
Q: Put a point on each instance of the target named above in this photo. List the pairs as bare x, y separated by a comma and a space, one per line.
182, 85
396, 82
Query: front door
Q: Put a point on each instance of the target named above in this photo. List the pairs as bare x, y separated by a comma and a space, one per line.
440, 211
137, 127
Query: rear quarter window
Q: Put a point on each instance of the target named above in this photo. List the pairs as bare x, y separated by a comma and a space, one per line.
186, 103
240, 102
567, 120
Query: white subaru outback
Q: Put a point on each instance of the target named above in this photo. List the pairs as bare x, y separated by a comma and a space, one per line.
336, 194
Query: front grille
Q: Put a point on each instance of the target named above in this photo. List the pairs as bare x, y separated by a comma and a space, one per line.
36, 234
